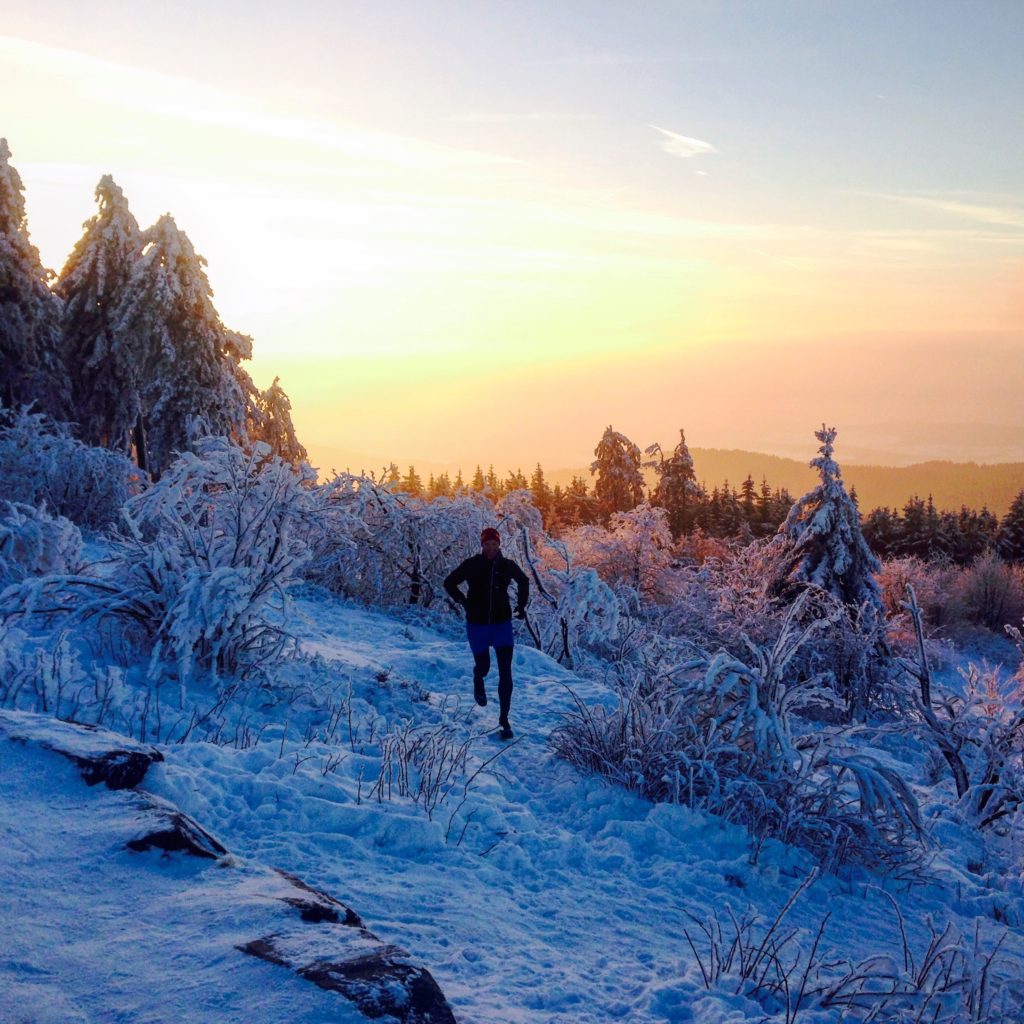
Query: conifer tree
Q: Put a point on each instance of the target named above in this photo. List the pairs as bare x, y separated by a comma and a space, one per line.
411, 483
826, 546
479, 483
541, 492
677, 491
620, 483
881, 530
274, 425
31, 360
1011, 531
192, 384
103, 370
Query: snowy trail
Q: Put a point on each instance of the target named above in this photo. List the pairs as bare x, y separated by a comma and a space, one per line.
567, 899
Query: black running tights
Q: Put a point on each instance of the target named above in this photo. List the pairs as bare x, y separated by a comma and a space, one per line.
482, 665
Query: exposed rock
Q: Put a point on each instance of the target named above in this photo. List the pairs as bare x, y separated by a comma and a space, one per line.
101, 755
316, 906
377, 977
178, 834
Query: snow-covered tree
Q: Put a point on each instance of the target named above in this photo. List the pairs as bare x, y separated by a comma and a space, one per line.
103, 369
193, 384
275, 425
620, 482
825, 545
633, 555
31, 363
677, 491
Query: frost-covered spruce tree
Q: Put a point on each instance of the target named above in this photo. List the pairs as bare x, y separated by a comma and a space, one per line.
103, 369
275, 425
678, 492
31, 367
826, 547
620, 482
193, 385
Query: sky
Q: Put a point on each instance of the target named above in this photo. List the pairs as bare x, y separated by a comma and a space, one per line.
471, 233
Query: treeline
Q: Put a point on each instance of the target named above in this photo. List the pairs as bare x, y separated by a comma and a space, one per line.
125, 343
723, 512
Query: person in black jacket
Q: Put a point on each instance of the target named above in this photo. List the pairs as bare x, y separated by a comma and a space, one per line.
489, 616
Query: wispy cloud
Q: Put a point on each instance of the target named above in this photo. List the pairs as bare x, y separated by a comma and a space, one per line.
1004, 216
682, 145
551, 117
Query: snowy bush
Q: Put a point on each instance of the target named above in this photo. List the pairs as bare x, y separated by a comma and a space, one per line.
386, 548
383, 547
953, 978
731, 736
42, 464
633, 555
202, 578
979, 733
34, 543
49, 677
992, 592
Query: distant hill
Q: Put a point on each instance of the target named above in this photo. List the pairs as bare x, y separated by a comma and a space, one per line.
951, 484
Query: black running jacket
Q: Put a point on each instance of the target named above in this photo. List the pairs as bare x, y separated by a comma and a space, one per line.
487, 601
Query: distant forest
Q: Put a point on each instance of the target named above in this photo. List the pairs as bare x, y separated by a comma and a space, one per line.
751, 510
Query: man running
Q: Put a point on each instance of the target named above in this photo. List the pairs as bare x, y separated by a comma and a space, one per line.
489, 616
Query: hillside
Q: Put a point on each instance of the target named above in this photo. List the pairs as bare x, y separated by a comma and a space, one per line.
531, 893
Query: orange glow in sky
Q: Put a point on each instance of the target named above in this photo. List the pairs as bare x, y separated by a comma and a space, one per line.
487, 249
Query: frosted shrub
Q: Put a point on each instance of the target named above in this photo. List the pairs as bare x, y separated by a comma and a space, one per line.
633, 555
383, 547
42, 464
992, 592
387, 548
202, 578
729, 736
952, 978
34, 543
935, 588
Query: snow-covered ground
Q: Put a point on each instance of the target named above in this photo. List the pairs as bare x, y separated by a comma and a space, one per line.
535, 895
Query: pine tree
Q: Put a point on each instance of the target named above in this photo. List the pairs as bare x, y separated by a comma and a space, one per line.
192, 384
827, 548
541, 493
1011, 531
748, 492
677, 491
881, 530
31, 360
274, 425
103, 370
479, 483
620, 482
411, 483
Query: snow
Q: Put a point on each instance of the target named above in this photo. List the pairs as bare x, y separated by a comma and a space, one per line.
542, 897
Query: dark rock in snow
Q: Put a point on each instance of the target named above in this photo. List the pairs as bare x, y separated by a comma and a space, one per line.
101, 755
380, 980
316, 906
178, 834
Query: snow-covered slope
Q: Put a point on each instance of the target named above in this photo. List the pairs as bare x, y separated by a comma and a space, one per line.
530, 893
